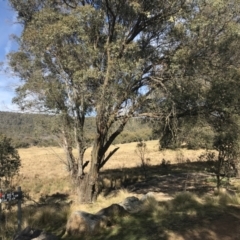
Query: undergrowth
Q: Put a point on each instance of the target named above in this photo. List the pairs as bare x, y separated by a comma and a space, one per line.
185, 211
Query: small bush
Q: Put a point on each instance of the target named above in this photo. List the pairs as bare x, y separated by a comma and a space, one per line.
226, 198
9, 162
185, 201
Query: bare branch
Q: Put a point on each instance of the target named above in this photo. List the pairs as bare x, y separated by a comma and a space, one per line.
108, 157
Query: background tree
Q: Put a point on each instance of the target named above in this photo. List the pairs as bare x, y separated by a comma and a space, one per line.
9, 162
91, 57
205, 77
141, 150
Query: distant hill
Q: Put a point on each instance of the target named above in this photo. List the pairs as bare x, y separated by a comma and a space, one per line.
32, 129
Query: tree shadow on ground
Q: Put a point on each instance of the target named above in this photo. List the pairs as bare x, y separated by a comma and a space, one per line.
55, 199
164, 178
184, 217
49, 213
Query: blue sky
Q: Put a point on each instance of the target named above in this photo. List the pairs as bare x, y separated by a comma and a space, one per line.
8, 26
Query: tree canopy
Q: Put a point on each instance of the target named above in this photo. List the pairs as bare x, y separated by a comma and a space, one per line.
206, 80
119, 59
90, 57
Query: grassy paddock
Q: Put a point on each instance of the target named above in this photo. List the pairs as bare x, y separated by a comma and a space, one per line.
43, 170
50, 198
36, 160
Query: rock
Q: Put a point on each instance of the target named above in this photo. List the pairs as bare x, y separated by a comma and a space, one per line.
112, 212
132, 204
148, 196
27, 233
82, 222
86, 223
45, 236
34, 234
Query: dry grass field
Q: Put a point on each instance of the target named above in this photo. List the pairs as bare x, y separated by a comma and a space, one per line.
43, 170
47, 162
50, 198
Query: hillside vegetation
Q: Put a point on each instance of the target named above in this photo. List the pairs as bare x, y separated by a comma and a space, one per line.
36, 129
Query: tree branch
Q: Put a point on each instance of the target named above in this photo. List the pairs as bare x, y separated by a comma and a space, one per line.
85, 165
111, 24
108, 157
71, 6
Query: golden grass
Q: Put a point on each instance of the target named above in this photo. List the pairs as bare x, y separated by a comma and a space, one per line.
102, 202
43, 171
47, 162
44, 162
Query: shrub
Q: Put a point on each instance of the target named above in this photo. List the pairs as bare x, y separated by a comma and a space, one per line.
9, 162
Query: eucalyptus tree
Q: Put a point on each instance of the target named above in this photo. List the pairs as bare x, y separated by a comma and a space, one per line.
95, 57
205, 76
220, 71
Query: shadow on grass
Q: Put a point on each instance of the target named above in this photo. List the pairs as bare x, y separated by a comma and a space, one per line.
164, 178
50, 214
185, 216
55, 199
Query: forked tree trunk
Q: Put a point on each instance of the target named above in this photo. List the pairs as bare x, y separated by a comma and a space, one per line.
88, 183
88, 188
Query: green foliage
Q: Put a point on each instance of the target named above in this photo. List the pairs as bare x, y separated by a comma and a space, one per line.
192, 133
195, 133
9, 162
28, 129
227, 144
90, 57
203, 96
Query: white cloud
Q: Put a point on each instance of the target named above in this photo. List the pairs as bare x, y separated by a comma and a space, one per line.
8, 83
7, 92
14, 29
6, 101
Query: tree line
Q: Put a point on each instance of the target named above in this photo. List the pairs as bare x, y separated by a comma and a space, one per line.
26, 130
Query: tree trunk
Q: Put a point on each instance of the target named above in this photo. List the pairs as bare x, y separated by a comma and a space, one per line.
88, 183
85, 189
220, 167
218, 182
70, 164
88, 186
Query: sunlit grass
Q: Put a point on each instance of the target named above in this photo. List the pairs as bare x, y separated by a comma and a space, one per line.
43, 171
43, 174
